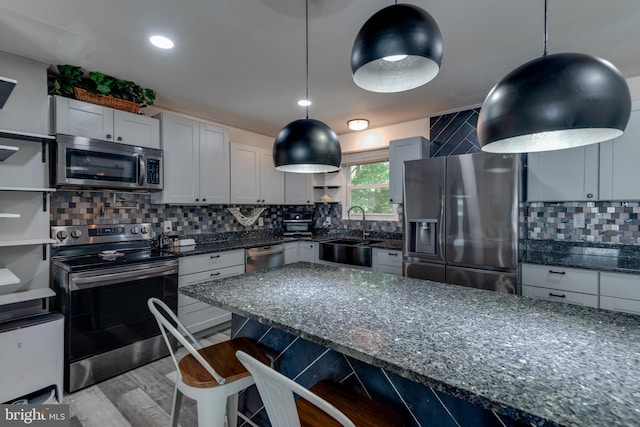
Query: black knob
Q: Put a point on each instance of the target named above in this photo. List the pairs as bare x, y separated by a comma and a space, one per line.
204, 200
197, 200
391, 200
119, 138
108, 136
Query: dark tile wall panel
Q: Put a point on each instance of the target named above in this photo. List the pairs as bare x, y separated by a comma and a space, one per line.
454, 133
308, 363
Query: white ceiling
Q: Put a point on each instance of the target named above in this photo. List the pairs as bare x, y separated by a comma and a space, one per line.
242, 62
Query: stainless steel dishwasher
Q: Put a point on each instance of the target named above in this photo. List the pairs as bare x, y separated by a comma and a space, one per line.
264, 257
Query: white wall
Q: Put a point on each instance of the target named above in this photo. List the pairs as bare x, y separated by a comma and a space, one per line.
634, 87
380, 137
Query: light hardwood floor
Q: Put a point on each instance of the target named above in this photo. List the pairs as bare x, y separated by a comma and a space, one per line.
138, 398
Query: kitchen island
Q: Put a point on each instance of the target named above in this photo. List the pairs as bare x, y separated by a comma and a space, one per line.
528, 361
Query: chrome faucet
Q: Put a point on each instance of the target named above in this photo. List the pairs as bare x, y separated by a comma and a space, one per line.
364, 233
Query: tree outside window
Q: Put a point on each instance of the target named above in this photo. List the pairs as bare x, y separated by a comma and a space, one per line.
369, 187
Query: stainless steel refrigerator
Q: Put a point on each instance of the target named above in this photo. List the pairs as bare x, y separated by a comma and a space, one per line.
461, 220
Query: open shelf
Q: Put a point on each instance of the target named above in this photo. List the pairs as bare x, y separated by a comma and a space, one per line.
41, 189
31, 295
26, 242
8, 278
7, 151
9, 215
24, 136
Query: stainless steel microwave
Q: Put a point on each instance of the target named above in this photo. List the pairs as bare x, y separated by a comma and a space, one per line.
84, 162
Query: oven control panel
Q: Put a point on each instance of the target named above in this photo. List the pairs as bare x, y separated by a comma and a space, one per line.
89, 234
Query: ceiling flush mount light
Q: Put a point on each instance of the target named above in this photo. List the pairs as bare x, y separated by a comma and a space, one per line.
397, 49
307, 145
358, 124
554, 102
161, 42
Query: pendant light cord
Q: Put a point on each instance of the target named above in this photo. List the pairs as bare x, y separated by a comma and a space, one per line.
306, 16
544, 51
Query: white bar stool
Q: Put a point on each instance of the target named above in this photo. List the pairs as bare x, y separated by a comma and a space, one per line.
211, 375
326, 404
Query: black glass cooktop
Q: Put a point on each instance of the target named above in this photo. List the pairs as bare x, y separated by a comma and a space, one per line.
105, 256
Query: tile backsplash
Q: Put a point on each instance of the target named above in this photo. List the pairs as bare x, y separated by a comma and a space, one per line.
604, 222
95, 207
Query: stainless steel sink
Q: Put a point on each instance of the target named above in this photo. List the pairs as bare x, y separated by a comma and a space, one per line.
347, 251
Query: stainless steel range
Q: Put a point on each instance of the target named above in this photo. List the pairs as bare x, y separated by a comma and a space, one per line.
103, 276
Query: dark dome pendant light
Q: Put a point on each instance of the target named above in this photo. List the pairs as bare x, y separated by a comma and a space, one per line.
555, 102
397, 49
307, 145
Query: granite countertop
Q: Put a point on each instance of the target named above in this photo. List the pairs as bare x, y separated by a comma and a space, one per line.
622, 259
541, 362
229, 245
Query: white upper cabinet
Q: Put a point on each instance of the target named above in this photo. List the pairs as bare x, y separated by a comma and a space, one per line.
563, 175
196, 161
254, 178
73, 117
619, 172
298, 188
214, 164
401, 150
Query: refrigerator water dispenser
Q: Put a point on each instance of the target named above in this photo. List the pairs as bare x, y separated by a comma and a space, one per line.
423, 236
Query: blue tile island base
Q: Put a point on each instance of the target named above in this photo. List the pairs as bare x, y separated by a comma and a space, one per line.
307, 363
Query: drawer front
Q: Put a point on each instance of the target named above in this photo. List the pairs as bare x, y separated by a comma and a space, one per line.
389, 269
203, 276
560, 278
199, 316
560, 296
197, 263
390, 258
620, 285
620, 304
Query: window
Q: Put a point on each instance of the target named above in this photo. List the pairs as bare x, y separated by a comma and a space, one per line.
367, 185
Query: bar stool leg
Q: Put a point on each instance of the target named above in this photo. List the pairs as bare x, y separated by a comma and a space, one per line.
175, 410
211, 409
232, 410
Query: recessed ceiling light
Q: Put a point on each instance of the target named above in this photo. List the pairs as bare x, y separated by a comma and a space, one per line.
161, 42
304, 103
358, 124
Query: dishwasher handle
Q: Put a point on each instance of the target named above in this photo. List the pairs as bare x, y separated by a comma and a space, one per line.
265, 250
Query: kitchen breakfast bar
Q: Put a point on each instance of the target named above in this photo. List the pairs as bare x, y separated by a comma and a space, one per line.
440, 354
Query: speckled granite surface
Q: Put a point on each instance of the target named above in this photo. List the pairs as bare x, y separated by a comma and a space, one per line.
549, 363
617, 258
229, 245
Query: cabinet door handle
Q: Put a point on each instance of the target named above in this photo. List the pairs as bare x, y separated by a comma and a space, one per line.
217, 273
556, 295
557, 272
589, 196
393, 254
214, 256
108, 136
119, 138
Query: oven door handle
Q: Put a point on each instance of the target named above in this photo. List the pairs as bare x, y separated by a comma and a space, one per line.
93, 281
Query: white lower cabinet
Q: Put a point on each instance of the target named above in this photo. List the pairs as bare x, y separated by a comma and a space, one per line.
570, 285
620, 292
291, 252
197, 315
308, 251
32, 357
387, 261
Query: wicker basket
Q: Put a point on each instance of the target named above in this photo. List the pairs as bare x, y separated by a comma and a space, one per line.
106, 101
